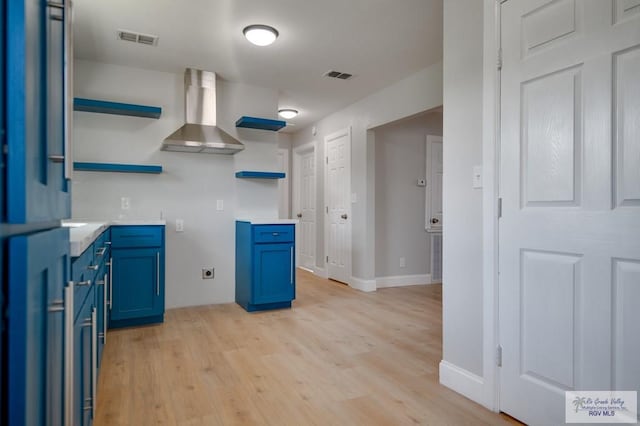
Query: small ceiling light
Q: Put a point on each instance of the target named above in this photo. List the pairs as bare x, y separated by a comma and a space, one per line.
287, 113
260, 35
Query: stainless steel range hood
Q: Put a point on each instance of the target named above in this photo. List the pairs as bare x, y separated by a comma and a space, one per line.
200, 133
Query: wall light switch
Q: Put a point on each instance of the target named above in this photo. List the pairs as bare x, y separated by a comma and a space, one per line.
179, 225
219, 205
477, 176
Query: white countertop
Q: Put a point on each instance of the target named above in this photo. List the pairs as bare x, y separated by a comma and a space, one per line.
264, 221
83, 233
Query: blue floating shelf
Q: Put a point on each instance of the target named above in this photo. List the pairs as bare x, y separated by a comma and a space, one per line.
260, 175
260, 123
112, 167
117, 108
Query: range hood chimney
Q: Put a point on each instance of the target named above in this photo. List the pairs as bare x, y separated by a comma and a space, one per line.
200, 133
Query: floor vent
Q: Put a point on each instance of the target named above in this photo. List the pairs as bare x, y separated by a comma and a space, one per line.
149, 40
436, 258
338, 75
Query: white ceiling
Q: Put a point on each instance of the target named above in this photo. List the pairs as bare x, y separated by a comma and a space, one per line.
378, 41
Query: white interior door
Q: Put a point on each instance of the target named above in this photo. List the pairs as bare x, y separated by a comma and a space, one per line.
338, 208
283, 184
433, 196
569, 260
305, 205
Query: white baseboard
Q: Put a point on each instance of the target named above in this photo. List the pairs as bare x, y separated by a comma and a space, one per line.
321, 272
363, 285
403, 280
462, 381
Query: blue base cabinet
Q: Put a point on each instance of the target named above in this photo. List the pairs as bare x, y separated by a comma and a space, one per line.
265, 266
39, 271
137, 261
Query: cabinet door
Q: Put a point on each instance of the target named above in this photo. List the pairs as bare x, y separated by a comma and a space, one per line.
82, 367
137, 283
38, 271
37, 190
274, 278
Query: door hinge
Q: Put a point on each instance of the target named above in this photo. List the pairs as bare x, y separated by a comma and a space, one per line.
499, 356
499, 62
499, 208
327, 259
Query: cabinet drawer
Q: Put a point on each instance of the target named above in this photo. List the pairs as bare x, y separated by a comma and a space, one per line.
136, 236
101, 248
273, 233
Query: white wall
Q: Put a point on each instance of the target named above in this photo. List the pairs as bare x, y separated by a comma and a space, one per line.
190, 183
462, 205
400, 217
417, 93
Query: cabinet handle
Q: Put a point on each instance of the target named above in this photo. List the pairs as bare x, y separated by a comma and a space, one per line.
101, 251
94, 360
158, 274
56, 306
83, 283
68, 354
93, 267
56, 158
104, 313
275, 234
55, 5
100, 282
292, 265
110, 283
108, 243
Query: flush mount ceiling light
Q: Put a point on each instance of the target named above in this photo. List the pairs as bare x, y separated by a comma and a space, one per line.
260, 35
287, 113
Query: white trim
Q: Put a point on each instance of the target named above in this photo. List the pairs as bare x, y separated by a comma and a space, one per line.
349, 265
490, 396
403, 280
363, 285
286, 183
462, 381
295, 193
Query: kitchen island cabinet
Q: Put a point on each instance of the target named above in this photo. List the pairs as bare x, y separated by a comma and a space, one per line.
265, 264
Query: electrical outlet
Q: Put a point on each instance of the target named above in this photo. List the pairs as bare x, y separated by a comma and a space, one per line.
179, 225
403, 262
208, 273
125, 203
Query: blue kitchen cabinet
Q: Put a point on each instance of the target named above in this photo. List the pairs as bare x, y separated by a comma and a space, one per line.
265, 266
137, 262
37, 312
84, 373
37, 188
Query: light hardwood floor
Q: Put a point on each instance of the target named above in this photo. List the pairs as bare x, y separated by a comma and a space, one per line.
338, 357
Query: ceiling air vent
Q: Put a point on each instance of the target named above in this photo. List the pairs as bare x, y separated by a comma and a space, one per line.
338, 74
149, 40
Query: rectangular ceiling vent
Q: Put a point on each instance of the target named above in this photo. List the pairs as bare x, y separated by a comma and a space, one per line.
148, 39
338, 75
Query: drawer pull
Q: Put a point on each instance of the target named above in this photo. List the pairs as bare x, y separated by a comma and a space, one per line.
275, 234
83, 283
93, 267
101, 251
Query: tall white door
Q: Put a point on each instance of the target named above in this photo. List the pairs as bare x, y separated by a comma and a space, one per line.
433, 195
569, 292
305, 186
283, 184
338, 205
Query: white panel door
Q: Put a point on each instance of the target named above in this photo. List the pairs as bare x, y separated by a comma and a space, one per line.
306, 207
283, 184
569, 259
433, 196
338, 205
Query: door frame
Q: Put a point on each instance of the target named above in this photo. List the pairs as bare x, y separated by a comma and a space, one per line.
343, 132
490, 200
295, 186
286, 182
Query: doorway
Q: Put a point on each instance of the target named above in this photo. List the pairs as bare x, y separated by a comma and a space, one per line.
304, 204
